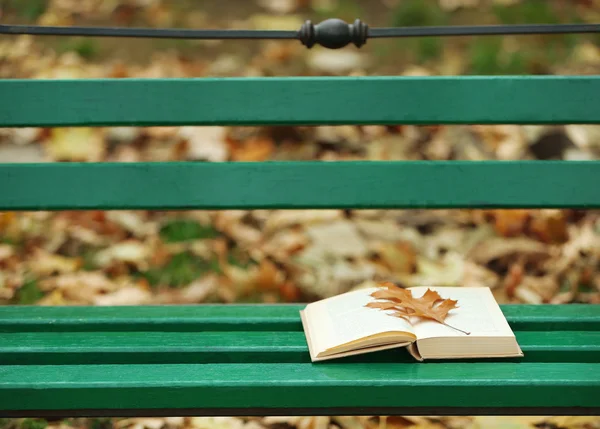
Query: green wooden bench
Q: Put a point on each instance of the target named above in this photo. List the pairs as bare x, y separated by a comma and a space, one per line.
253, 360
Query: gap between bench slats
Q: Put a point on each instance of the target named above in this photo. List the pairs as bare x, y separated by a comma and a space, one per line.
244, 317
319, 388
58, 348
297, 185
301, 100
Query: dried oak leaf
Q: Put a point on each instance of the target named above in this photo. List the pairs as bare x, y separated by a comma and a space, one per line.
430, 306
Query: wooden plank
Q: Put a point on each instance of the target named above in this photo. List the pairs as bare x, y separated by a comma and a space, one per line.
332, 411
56, 348
301, 100
166, 318
316, 388
297, 185
245, 317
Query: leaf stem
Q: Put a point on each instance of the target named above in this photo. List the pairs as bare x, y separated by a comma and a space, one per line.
460, 330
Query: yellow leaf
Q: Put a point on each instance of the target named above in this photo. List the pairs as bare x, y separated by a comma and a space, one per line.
76, 144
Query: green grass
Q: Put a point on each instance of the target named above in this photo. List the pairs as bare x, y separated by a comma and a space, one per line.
185, 230
486, 58
33, 424
8, 240
28, 294
527, 12
30, 10
239, 258
411, 13
181, 270
551, 49
86, 48
89, 259
101, 423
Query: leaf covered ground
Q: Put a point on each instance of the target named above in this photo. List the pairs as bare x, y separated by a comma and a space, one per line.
149, 257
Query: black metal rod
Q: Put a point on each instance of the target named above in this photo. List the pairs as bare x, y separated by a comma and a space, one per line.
331, 33
484, 30
157, 33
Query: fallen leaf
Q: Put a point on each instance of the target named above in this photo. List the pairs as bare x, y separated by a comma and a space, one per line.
550, 226
76, 144
510, 223
497, 248
324, 276
222, 423
130, 251
279, 219
399, 257
6, 251
199, 289
430, 306
206, 143
289, 292
285, 244
252, 150
279, 6
544, 287
44, 263
82, 287
336, 62
572, 422
132, 221
447, 270
141, 423
274, 22
475, 275
527, 295
339, 238
507, 422
125, 296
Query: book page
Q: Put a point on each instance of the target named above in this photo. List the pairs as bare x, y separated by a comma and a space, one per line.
478, 313
344, 319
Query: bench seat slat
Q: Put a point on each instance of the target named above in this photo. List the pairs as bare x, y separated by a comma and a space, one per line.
244, 317
298, 185
56, 348
199, 360
301, 100
318, 389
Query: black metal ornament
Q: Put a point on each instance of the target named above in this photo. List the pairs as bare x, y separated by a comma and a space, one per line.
334, 33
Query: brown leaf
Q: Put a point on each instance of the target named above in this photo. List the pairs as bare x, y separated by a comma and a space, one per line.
550, 227
514, 278
253, 150
510, 223
289, 292
382, 305
430, 306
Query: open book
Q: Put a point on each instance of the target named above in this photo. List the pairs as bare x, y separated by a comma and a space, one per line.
342, 326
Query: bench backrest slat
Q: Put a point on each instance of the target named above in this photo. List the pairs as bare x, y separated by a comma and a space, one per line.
352, 185
298, 100
248, 318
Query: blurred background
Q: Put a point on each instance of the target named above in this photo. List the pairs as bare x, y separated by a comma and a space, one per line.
188, 257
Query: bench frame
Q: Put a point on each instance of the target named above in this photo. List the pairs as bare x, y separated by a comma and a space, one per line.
364, 387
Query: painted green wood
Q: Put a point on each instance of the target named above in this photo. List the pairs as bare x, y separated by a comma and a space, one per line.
252, 359
301, 100
248, 317
181, 318
317, 387
56, 348
311, 184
